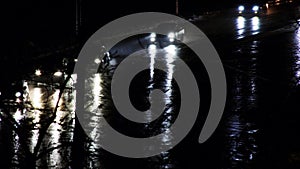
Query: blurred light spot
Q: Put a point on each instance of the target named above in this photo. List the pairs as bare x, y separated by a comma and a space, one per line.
18, 94
179, 35
18, 100
255, 8
152, 52
153, 35
38, 72
152, 48
240, 24
241, 8
171, 36
18, 115
171, 49
36, 97
97, 89
74, 79
58, 74
97, 61
255, 25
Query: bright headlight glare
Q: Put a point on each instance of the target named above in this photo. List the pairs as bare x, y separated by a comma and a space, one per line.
171, 35
241, 8
153, 35
58, 74
255, 8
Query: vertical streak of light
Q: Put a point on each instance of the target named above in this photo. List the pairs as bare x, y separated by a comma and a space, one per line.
166, 138
297, 59
255, 21
96, 114
16, 146
35, 97
240, 24
54, 99
152, 52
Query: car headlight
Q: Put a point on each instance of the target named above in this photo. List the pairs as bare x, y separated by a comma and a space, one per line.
152, 37
255, 8
171, 36
241, 8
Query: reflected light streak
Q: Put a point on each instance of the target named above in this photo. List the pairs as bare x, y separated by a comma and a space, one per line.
170, 58
240, 23
18, 115
152, 51
242, 143
34, 138
26, 91
171, 49
54, 132
96, 114
97, 90
35, 97
170, 68
240, 32
242, 133
54, 99
297, 59
16, 147
166, 138
56, 129
255, 21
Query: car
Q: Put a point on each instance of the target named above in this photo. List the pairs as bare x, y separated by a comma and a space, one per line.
174, 34
249, 9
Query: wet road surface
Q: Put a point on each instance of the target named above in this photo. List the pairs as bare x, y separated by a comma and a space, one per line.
258, 130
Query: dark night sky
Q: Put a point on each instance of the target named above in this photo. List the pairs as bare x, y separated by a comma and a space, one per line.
44, 22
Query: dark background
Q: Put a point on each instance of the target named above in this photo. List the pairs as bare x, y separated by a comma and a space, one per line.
44, 21
36, 29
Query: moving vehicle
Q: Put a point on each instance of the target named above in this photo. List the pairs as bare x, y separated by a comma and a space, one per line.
250, 8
